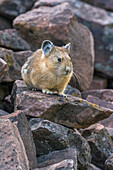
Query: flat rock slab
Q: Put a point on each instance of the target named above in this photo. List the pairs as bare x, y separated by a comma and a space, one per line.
19, 119
12, 151
60, 25
10, 39
71, 111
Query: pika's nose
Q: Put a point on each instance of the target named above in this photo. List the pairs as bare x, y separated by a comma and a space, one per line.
67, 70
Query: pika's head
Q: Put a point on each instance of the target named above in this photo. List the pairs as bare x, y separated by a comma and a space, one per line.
57, 58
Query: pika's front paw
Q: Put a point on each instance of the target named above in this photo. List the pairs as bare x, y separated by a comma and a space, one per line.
47, 91
62, 95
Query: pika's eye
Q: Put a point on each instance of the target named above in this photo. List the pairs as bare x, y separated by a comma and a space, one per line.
59, 59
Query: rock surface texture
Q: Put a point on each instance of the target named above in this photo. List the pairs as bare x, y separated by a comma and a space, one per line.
12, 151
71, 111
19, 119
49, 137
59, 25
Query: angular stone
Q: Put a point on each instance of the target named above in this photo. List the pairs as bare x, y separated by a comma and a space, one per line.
57, 156
106, 4
110, 130
98, 83
12, 151
59, 25
10, 39
72, 91
5, 23
65, 164
22, 56
19, 119
99, 22
11, 8
49, 137
7, 104
71, 111
100, 143
109, 163
14, 68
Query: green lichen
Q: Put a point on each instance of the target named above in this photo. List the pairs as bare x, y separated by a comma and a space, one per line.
8, 59
94, 106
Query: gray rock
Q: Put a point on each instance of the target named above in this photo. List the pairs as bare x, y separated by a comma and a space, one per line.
109, 163
49, 137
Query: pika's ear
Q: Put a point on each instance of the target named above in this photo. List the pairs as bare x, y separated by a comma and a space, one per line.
46, 47
67, 46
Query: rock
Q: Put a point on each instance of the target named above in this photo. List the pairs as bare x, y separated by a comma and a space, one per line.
19, 119
11, 9
56, 157
59, 25
104, 94
5, 23
10, 39
100, 143
22, 56
3, 69
49, 137
14, 68
92, 167
3, 113
98, 83
100, 22
106, 4
65, 164
72, 91
72, 112
12, 151
109, 163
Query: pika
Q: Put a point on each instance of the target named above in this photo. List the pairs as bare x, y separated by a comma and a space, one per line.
49, 69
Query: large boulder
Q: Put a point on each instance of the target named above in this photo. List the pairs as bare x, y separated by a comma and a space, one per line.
12, 151
12, 8
59, 25
49, 137
100, 143
10, 39
20, 120
71, 111
99, 22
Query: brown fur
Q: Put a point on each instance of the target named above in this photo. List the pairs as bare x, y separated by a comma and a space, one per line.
46, 72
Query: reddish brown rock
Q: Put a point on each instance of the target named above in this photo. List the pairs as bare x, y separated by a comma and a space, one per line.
49, 137
22, 56
10, 39
12, 151
100, 143
20, 120
5, 23
56, 157
98, 83
11, 8
59, 25
71, 111
99, 22
109, 163
106, 4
